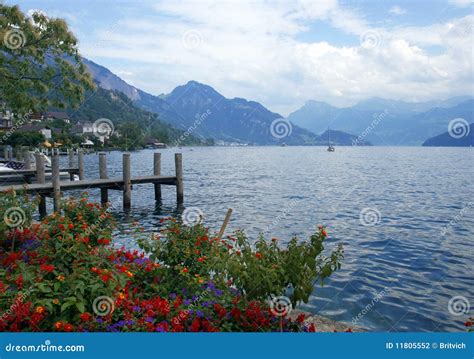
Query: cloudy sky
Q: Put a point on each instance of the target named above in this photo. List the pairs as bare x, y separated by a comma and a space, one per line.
281, 53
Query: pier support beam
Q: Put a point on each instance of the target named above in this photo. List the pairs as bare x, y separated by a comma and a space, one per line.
178, 164
80, 160
56, 182
40, 178
157, 172
127, 183
104, 195
26, 159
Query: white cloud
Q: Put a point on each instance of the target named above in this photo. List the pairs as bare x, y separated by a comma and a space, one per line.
461, 3
251, 49
397, 10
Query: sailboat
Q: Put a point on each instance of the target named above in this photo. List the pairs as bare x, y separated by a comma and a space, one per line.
331, 148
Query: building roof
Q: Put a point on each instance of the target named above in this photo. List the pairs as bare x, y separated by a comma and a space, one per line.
59, 115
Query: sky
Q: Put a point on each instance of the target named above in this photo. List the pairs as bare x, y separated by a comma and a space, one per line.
280, 53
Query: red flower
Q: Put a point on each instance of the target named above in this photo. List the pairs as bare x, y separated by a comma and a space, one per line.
348, 330
258, 255
468, 323
195, 325
61, 227
300, 318
85, 317
47, 268
68, 327
185, 270
324, 233
103, 241
70, 226
312, 328
201, 259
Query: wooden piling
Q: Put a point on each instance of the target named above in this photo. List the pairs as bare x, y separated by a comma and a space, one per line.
104, 195
10, 153
127, 184
26, 159
157, 172
56, 182
178, 164
80, 160
70, 155
40, 178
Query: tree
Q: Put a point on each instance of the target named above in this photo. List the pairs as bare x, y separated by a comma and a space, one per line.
25, 139
40, 65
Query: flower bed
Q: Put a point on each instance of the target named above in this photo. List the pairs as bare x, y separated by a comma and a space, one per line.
63, 275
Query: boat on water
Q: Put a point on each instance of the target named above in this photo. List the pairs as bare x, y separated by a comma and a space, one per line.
8, 170
331, 148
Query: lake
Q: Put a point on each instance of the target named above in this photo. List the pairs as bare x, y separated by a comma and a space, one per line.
403, 214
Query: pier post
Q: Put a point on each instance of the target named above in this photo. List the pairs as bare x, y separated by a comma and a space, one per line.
26, 159
80, 161
70, 155
18, 153
40, 178
5, 153
127, 184
10, 154
178, 163
104, 195
157, 172
56, 182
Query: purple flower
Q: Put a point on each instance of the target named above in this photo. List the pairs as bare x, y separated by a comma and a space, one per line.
173, 295
200, 314
149, 319
187, 302
205, 304
218, 292
136, 308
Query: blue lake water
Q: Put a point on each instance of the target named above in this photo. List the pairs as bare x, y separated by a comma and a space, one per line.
400, 271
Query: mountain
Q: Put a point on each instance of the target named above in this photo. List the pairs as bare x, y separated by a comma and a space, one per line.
117, 107
386, 122
343, 138
201, 110
462, 137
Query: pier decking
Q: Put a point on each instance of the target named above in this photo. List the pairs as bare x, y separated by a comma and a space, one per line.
125, 184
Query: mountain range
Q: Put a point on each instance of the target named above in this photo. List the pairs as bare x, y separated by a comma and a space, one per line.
386, 122
201, 110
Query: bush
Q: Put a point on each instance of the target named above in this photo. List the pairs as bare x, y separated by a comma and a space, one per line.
64, 275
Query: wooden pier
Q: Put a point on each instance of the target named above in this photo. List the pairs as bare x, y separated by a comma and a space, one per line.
125, 184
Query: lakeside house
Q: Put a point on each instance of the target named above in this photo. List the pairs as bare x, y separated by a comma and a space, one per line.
45, 130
